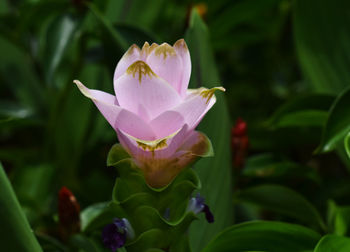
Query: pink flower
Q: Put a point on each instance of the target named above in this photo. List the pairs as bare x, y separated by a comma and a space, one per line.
153, 112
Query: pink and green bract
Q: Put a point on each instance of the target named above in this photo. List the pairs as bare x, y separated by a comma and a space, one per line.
153, 111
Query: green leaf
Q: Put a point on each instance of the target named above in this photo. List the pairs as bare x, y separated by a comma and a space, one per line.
333, 243
154, 238
338, 123
339, 219
347, 144
18, 77
268, 166
264, 236
99, 215
240, 13
82, 242
124, 11
15, 232
282, 200
116, 153
215, 173
34, 189
305, 110
90, 213
305, 118
322, 36
59, 35
173, 197
107, 26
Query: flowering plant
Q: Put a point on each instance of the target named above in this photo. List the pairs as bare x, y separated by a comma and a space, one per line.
153, 112
154, 115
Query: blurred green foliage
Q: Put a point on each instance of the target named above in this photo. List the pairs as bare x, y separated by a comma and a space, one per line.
285, 66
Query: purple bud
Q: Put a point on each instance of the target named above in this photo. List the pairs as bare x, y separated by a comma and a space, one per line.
197, 205
208, 214
114, 235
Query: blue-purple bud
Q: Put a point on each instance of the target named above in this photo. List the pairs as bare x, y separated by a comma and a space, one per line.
197, 205
114, 235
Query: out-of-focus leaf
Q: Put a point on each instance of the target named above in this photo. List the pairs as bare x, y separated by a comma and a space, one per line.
306, 110
59, 34
34, 185
330, 243
90, 213
347, 144
36, 14
240, 12
282, 200
15, 232
268, 166
305, 118
128, 12
338, 122
136, 35
4, 8
264, 236
80, 241
13, 111
215, 173
339, 219
17, 76
116, 37
322, 35
50, 244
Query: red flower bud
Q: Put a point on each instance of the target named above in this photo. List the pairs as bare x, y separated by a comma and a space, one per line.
240, 128
239, 143
68, 212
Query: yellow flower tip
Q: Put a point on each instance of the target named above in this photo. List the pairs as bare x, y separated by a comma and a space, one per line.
147, 49
164, 49
221, 89
181, 44
140, 68
84, 90
132, 49
209, 93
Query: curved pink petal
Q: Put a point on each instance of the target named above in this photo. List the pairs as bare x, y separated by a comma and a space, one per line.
166, 63
118, 117
146, 50
141, 86
167, 123
160, 166
196, 105
182, 50
131, 55
138, 149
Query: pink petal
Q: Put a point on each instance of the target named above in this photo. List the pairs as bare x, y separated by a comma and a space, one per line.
196, 105
167, 123
146, 50
118, 117
138, 150
160, 166
197, 144
131, 55
182, 50
166, 63
141, 86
